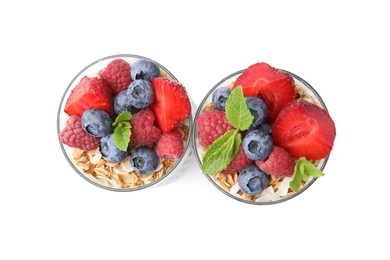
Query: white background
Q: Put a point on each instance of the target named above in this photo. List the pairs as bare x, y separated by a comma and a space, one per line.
49, 212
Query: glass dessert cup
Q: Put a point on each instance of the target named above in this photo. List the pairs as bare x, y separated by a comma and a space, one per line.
120, 176
227, 184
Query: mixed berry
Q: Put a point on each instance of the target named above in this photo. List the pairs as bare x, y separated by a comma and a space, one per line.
285, 134
128, 112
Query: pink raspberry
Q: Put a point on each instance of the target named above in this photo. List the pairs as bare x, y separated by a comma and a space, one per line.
170, 145
143, 131
117, 75
74, 135
211, 125
279, 163
239, 162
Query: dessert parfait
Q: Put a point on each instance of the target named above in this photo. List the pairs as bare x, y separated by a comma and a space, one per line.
263, 135
124, 123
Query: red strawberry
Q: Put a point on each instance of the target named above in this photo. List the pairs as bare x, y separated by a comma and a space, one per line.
74, 135
142, 129
275, 87
89, 93
171, 104
304, 130
211, 125
279, 163
170, 145
117, 75
239, 162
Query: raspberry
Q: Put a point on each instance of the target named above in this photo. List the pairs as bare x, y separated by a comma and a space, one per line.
74, 135
143, 131
211, 125
117, 75
239, 162
279, 163
170, 145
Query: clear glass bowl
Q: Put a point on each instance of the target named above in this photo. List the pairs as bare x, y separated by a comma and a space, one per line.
310, 94
174, 170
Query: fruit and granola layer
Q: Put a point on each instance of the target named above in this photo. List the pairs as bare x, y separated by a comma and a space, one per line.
122, 128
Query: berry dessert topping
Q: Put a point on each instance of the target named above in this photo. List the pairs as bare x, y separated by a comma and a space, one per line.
305, 130
73, 135
239, 162
144, 69
129, 131
89, 93
121, 104
171, 104
110, 152
140, 93
211, 125
220, 96
170, 145
257, 145
96, 122
275, 87
117, 75
143, 130
252, 181
144, 160
279, 163
258, 110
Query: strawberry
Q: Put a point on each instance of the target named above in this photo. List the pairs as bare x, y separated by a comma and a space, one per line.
74, 135
279, 163
143, 131
239, 162
171, 104
273, 86
170, 145
89, 93
304, 130
211, 125
117, 75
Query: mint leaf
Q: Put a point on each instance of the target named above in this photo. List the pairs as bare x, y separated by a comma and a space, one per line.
303, 169
221, 152
237, 111
124, 116
121, 136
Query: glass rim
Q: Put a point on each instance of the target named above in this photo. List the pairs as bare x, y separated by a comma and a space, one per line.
83, 175
195, 131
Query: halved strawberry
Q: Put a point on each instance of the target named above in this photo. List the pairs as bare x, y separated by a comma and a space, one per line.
89, 93
171, 104
304, 130
274, 86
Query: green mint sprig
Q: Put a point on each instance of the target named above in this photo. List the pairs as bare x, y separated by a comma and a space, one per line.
122, 130
303, 169
223, 150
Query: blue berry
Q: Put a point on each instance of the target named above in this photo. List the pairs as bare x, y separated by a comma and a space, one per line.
96, 122
121, 103
252, 181
140, 93
258, 110
144, 160
220, 95
257, 145
266, 128
109, 151
144, 69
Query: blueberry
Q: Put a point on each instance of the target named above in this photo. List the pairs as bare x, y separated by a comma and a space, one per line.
121, 103
220, 95
144, 160
144, 69
258, 110
252, 181
266, 128
140, 93
257, 145
96, 122
109, 151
